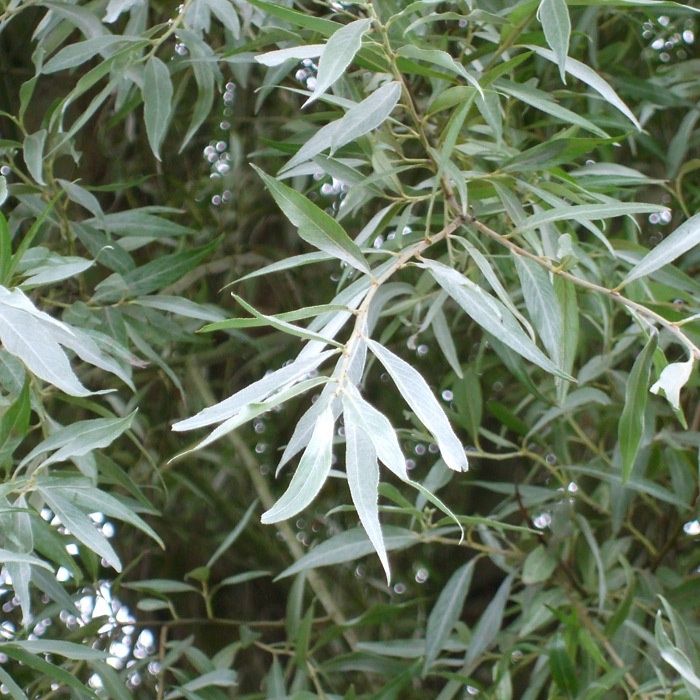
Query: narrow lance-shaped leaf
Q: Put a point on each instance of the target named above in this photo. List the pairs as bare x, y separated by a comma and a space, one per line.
34, 154
360, 119
311, 473
363, 478
489, 624
589, 212
423, 403
377, 426
297, 53
446, 611
542, 303
157, 99
80, 438
631, 426
592, 79
80, 526
683, 239
337, 56
554, 16
674, 656
350, 545
26, 333
490, 314
441, 59
254, 393
315, 226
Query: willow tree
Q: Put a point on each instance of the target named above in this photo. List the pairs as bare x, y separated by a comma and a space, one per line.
349, 349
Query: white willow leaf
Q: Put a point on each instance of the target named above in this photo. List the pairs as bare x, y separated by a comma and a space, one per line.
542, 304
80, 526
27, 333
80, 438
252, 410
554, 16
490, 314
254, 393
360, 119
683, 239
298, 53
673, 378
423, 403
379, 429
157, 102
363, 478
577, 212
315, 226
489, 623
348, 546
337, 55
441, 59
310, 475
446, 611
592, 79
7, 555
34, 154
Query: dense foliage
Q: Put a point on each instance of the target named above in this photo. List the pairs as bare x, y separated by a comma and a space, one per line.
415, 283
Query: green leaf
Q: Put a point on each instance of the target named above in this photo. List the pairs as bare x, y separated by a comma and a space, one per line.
442, 59
348, 546
562, 667
30, 335
315, 226
277, 323
220, 678
363, 478
446, 612
14, 424
233, 535
489, 623
7, 556
79, 439
631, 425
423, 403
48, 670
673, 656
82, 51
577, 212
296, 53
111, 681
254, 393
377, 426
311, 473
592, 79
69, 650
359, 120
683, 239
490, 314
160, 585
542, 304
80, 525
15, 692
554, 16
337, 55
34, 154
539, 565
543, 101
157, 99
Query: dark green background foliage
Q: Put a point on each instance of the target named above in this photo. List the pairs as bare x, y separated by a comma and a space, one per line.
362, 242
